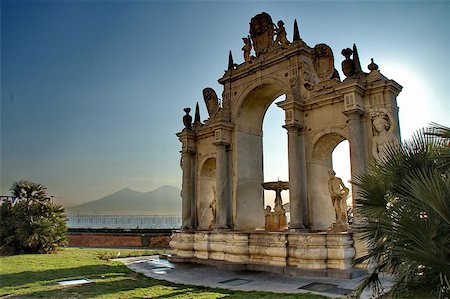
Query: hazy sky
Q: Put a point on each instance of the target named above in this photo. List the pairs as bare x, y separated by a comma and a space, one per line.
92, 92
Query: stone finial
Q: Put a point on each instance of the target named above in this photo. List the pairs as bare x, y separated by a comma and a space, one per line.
187, 119
296, 32
197, 114
348, 65
356, 60
372, 66
230, 61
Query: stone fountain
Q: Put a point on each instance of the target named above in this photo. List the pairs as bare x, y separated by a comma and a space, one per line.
276, 220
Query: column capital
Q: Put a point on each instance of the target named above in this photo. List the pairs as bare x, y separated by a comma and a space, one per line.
294, 127
353, 113
221, 143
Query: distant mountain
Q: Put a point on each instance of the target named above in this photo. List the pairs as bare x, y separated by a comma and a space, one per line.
164, 200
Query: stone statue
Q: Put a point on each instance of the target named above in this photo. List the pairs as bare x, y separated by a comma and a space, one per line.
281, 36
187, 119
261, 32
247, 48
211, 101
267, 210
212, 206
338, 193
383, 137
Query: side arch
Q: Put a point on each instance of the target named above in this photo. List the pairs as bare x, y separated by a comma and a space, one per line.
207, 185
320, 207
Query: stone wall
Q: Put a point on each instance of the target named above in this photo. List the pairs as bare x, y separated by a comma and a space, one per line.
323, 254
119, 238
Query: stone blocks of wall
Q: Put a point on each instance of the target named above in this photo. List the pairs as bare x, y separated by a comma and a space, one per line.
305, 251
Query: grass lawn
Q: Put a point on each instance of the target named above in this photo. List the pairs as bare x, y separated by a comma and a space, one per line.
36, 276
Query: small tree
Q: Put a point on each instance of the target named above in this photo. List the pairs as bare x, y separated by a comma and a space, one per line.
405, 201
33, 224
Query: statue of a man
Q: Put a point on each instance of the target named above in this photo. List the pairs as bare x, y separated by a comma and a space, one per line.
247, 48
381, 124
338, 193
212, 206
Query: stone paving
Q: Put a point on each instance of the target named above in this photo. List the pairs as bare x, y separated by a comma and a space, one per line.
202, 275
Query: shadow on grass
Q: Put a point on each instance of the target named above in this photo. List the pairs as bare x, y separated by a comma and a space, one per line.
27, 277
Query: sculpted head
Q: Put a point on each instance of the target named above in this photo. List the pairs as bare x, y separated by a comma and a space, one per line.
380, 121
331, 173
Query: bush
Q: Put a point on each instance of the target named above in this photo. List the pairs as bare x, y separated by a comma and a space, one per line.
33, 224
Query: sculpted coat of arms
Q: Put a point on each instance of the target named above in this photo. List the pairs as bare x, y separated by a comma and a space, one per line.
323, 61
262, 32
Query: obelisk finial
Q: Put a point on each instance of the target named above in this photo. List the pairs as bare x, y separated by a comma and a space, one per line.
296, 32
356, 60
197, 114
230, 61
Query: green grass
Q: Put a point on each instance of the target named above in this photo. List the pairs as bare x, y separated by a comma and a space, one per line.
36, 276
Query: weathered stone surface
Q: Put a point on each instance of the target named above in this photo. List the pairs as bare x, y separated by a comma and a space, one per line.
222, 159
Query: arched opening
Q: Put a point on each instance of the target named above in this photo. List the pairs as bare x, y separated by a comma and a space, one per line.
207, 185
322, 213
342, 167
275, 151
249, 167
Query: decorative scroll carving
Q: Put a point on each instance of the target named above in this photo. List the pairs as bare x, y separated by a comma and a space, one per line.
323, 61
262, 31
211, 101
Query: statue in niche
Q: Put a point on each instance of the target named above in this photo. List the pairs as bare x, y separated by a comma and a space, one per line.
261, 32
247, 48
211, 101
338, 193
382, 125
281, 36
212, 206
187, 119
323, 61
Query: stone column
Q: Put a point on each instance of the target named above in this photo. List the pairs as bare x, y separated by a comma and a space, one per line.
188, 192
357, 142
222, 207
297, 203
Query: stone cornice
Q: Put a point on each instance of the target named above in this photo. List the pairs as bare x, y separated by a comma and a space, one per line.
208, 131
382, 86
351, 86
186, 134
285, 105
265, 61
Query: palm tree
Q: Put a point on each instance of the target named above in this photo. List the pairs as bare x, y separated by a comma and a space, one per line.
33, 224
404, 201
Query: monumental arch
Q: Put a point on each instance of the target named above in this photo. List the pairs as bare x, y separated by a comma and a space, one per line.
222, 158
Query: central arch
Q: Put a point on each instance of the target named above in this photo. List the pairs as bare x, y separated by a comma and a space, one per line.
248, 168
